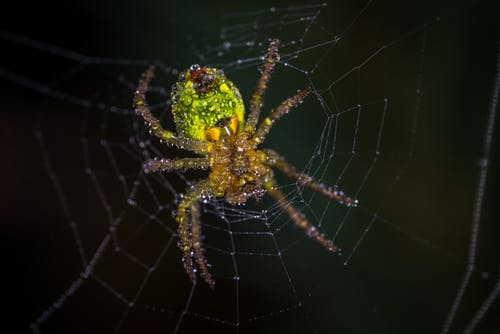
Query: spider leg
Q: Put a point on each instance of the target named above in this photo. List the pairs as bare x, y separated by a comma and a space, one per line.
300, 219
277, 161
188, 218
166, 165
257, 99
142, 108
283, 109
198, 250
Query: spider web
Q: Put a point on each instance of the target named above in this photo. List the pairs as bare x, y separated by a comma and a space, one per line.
102, 251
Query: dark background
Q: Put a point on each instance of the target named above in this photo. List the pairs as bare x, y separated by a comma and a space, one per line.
396, 284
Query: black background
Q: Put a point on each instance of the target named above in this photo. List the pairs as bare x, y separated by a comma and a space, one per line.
38, 255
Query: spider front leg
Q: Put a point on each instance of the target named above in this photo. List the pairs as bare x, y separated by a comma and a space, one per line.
188, 218
142, 108
299, 218
198, 250
277, 161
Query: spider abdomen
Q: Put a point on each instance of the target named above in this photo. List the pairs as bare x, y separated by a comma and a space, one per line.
203, 97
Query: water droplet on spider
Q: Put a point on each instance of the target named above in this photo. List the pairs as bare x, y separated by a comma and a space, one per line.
194, 67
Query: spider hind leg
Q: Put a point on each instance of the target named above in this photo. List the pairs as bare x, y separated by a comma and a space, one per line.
275, 115
257, 100
142, 108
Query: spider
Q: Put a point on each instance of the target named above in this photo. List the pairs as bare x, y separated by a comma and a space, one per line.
208, 112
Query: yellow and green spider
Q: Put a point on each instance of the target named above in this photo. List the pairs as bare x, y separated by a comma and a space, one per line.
208, 112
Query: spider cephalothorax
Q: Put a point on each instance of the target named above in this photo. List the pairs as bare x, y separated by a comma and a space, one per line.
209, 116
238, 169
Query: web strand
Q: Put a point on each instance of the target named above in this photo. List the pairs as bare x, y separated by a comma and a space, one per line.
483, 164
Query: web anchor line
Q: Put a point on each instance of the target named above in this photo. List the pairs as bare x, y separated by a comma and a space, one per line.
483, 164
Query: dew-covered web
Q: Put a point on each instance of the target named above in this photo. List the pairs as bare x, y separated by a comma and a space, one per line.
358, 131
